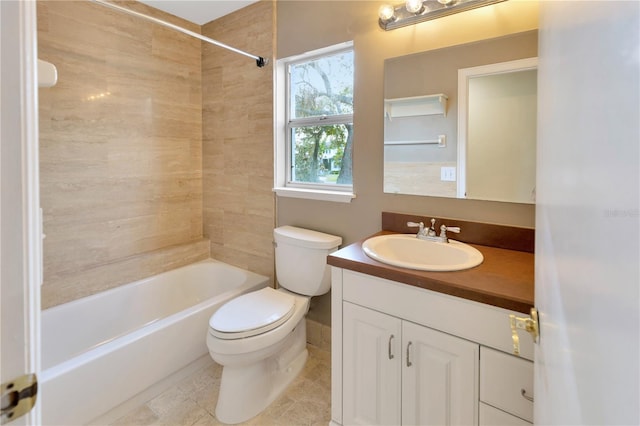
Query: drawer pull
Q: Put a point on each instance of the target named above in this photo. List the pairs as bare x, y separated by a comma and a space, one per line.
409, 364
390, 353
525, 396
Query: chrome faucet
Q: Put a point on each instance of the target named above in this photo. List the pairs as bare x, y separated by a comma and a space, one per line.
430, 233
421, 231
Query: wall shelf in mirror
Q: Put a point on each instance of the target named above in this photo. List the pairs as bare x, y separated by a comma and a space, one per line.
416, 105
441, 142
435, 171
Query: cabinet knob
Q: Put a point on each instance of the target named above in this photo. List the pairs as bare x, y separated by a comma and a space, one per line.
409, 363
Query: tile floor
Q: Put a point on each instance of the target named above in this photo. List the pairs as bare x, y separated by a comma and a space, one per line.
307, 401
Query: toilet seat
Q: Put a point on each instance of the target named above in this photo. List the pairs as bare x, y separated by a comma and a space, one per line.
252, 314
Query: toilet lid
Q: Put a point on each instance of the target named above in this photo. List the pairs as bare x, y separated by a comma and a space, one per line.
252, 314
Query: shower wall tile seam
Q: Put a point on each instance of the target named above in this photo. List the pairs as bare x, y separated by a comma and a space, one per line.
67, 287
237, 156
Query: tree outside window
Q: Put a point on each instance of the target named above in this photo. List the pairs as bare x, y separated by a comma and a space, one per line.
320, 120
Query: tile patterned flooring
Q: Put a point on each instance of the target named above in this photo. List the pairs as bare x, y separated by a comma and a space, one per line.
306, 402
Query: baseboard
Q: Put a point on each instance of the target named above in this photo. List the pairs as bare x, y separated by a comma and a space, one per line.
319, 335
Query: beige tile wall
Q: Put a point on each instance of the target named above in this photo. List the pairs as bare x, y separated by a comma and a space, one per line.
418, 178
238, 139
120, 148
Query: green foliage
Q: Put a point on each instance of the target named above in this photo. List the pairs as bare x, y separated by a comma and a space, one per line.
323, 87
318, 150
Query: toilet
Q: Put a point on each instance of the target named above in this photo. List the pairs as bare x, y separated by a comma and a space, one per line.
259, 338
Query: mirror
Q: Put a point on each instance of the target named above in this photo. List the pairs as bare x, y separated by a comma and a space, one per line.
429, 151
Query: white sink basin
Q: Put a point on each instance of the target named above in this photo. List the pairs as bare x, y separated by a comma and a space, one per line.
407, 251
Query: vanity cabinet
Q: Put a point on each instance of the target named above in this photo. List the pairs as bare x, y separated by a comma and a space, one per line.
397, 372
402, 354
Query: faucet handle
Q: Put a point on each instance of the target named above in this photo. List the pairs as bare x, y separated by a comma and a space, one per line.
455, 229
415, 225
443, 232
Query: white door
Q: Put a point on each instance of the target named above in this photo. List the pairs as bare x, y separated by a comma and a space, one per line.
20, 268
587, 214
439, 378
371, 367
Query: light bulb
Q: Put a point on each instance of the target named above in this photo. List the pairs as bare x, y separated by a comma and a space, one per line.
446, 2
386, 13
414, 6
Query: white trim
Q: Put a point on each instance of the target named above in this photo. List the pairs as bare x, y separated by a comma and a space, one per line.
315, 194
282, 188
500, 67
279, 125
21, 207
321, 120
31, 191
336, 346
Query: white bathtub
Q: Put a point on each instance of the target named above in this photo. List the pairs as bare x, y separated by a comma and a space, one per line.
100, 351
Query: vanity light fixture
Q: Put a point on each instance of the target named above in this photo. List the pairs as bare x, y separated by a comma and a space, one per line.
386, 14
414, 6
415, 11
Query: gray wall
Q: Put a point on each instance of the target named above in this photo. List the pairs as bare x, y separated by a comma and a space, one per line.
436, 71
308, 25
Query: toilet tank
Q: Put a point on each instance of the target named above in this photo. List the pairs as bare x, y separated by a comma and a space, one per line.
301, 259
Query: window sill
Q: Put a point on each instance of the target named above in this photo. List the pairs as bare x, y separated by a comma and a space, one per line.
315, 194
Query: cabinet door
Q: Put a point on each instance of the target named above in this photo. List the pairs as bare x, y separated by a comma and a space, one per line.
439, 378
371, 367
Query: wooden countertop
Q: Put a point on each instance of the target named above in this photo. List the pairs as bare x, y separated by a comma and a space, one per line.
505, 278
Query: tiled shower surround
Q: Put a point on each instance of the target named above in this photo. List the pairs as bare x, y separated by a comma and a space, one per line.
237, 140
151, 143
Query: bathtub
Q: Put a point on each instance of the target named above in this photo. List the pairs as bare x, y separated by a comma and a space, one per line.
100, 351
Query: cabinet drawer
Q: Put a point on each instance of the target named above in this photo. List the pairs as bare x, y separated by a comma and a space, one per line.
490, 416
502, 379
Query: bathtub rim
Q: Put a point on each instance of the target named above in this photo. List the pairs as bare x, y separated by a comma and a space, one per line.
78, 367
145, 279
120, 340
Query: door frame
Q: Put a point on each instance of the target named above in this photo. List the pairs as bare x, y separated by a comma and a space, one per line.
21, 230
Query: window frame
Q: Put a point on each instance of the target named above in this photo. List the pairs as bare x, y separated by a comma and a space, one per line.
284, 185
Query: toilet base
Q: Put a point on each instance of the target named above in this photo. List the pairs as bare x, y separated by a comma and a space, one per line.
247, 390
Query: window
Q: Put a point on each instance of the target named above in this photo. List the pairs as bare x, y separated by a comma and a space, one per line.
317, 123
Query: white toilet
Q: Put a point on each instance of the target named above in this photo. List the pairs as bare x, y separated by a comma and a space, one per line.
259, 338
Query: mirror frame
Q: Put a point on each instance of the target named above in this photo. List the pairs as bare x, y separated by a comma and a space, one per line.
464, 74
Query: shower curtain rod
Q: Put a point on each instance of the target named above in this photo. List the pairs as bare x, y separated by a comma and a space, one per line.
260, 61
